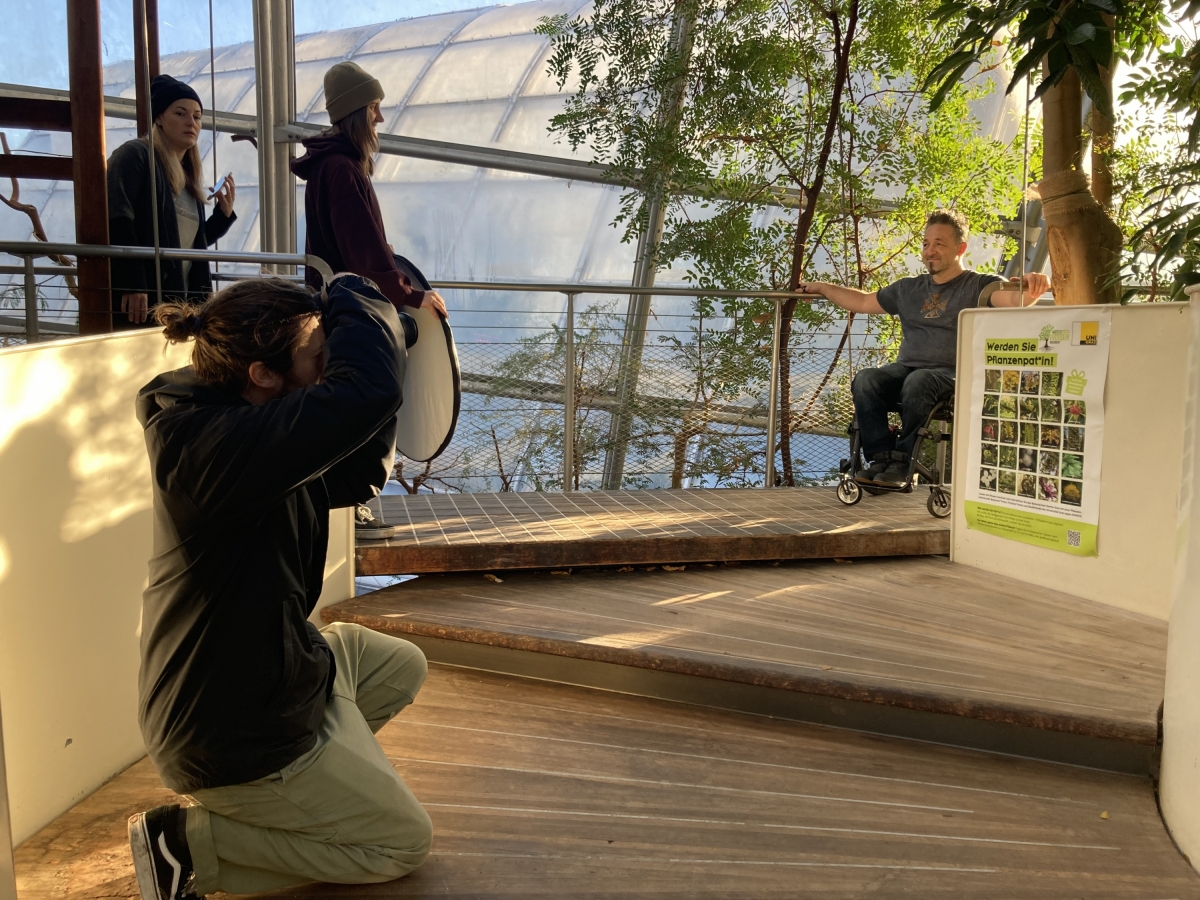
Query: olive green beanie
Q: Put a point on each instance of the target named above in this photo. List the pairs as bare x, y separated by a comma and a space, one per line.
347, 88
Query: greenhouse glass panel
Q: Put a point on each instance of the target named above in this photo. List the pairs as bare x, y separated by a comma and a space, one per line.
240, 56
396, 71
460, 123
327, 45
230, 88
310, 84
520, 18
427, 31
238, 157
483, 70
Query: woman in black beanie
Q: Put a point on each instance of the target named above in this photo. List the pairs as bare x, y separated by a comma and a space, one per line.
176, 111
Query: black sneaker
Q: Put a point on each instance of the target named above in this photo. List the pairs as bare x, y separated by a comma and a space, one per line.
870, 475
161, 858
369, 528
896, 473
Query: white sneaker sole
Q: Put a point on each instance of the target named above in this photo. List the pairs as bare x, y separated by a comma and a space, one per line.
143, 858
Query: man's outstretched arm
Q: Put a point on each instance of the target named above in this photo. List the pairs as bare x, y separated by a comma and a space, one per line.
850, 299
1035, 284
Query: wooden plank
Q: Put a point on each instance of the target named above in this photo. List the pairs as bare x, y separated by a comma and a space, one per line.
35, 114
538, 789
44, 168
444, 533
918, 634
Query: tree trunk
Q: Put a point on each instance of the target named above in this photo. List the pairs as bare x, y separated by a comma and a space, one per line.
841, 51
1085, 243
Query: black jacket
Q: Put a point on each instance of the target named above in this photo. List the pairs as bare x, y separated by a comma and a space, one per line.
234, 679
130, 224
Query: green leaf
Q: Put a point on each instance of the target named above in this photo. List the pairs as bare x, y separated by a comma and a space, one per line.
1082, 33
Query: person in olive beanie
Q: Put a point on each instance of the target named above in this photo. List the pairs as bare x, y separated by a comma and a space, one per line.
176, 111
343, 222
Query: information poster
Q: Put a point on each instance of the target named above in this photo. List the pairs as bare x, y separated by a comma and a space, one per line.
1037, 427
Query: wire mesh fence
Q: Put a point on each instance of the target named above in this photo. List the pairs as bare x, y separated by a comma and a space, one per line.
684, 407
57, 309
681, 401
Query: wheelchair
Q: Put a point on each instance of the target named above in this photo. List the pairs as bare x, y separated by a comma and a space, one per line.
936, 429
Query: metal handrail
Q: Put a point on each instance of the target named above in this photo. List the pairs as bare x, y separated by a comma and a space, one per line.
37, 249
30, 250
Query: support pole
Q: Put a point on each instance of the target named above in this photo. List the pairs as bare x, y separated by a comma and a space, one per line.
144, 76
89, 166
569, 398
274, 68
636, 319
145, 56
773, 398
31, 304
285, 113
633, 343
264, 74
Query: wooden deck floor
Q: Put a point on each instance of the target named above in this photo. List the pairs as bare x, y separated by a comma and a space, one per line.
555, 791
921, 634
470, 532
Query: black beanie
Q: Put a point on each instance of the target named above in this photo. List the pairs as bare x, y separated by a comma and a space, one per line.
165, 90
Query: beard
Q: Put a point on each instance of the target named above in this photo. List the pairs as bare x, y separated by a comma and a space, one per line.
933, 267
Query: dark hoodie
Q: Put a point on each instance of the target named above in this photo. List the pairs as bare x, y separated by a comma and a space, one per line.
342, 221
234, 679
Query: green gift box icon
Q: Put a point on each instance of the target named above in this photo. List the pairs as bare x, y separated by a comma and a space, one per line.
1076, 383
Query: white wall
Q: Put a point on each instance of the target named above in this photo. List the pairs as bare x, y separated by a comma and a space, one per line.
74, 542
1179, 788
1144, 401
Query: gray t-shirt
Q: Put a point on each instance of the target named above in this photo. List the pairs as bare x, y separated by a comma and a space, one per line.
187, 214
929, 315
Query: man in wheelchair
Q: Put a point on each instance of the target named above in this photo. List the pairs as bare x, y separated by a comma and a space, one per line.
923, 373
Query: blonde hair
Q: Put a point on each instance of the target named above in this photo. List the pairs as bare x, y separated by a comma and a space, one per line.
361, 130
181, 173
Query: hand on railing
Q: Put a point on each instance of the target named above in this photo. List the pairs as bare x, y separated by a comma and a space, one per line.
136, 306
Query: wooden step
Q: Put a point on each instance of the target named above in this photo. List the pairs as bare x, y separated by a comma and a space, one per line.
543, 790
916, 647
473, 532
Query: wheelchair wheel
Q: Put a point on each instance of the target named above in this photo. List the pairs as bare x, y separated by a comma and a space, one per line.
938, 503
849, 492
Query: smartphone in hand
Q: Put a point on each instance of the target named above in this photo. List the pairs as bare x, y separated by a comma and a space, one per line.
220, 184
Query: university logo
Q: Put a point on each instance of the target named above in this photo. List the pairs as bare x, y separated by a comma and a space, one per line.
1085, 334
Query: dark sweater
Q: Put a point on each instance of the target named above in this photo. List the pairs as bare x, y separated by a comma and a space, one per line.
342, 221
234, 679
130, 224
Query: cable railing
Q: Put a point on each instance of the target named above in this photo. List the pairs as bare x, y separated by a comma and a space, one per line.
547, 397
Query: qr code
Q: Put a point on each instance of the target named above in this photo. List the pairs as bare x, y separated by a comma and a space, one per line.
1072, 538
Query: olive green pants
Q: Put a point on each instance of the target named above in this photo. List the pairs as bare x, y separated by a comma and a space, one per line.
339, 813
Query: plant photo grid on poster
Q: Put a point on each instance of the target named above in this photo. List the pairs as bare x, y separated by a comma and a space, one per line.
1034, 435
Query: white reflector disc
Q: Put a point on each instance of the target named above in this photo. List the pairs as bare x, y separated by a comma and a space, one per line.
432, 390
